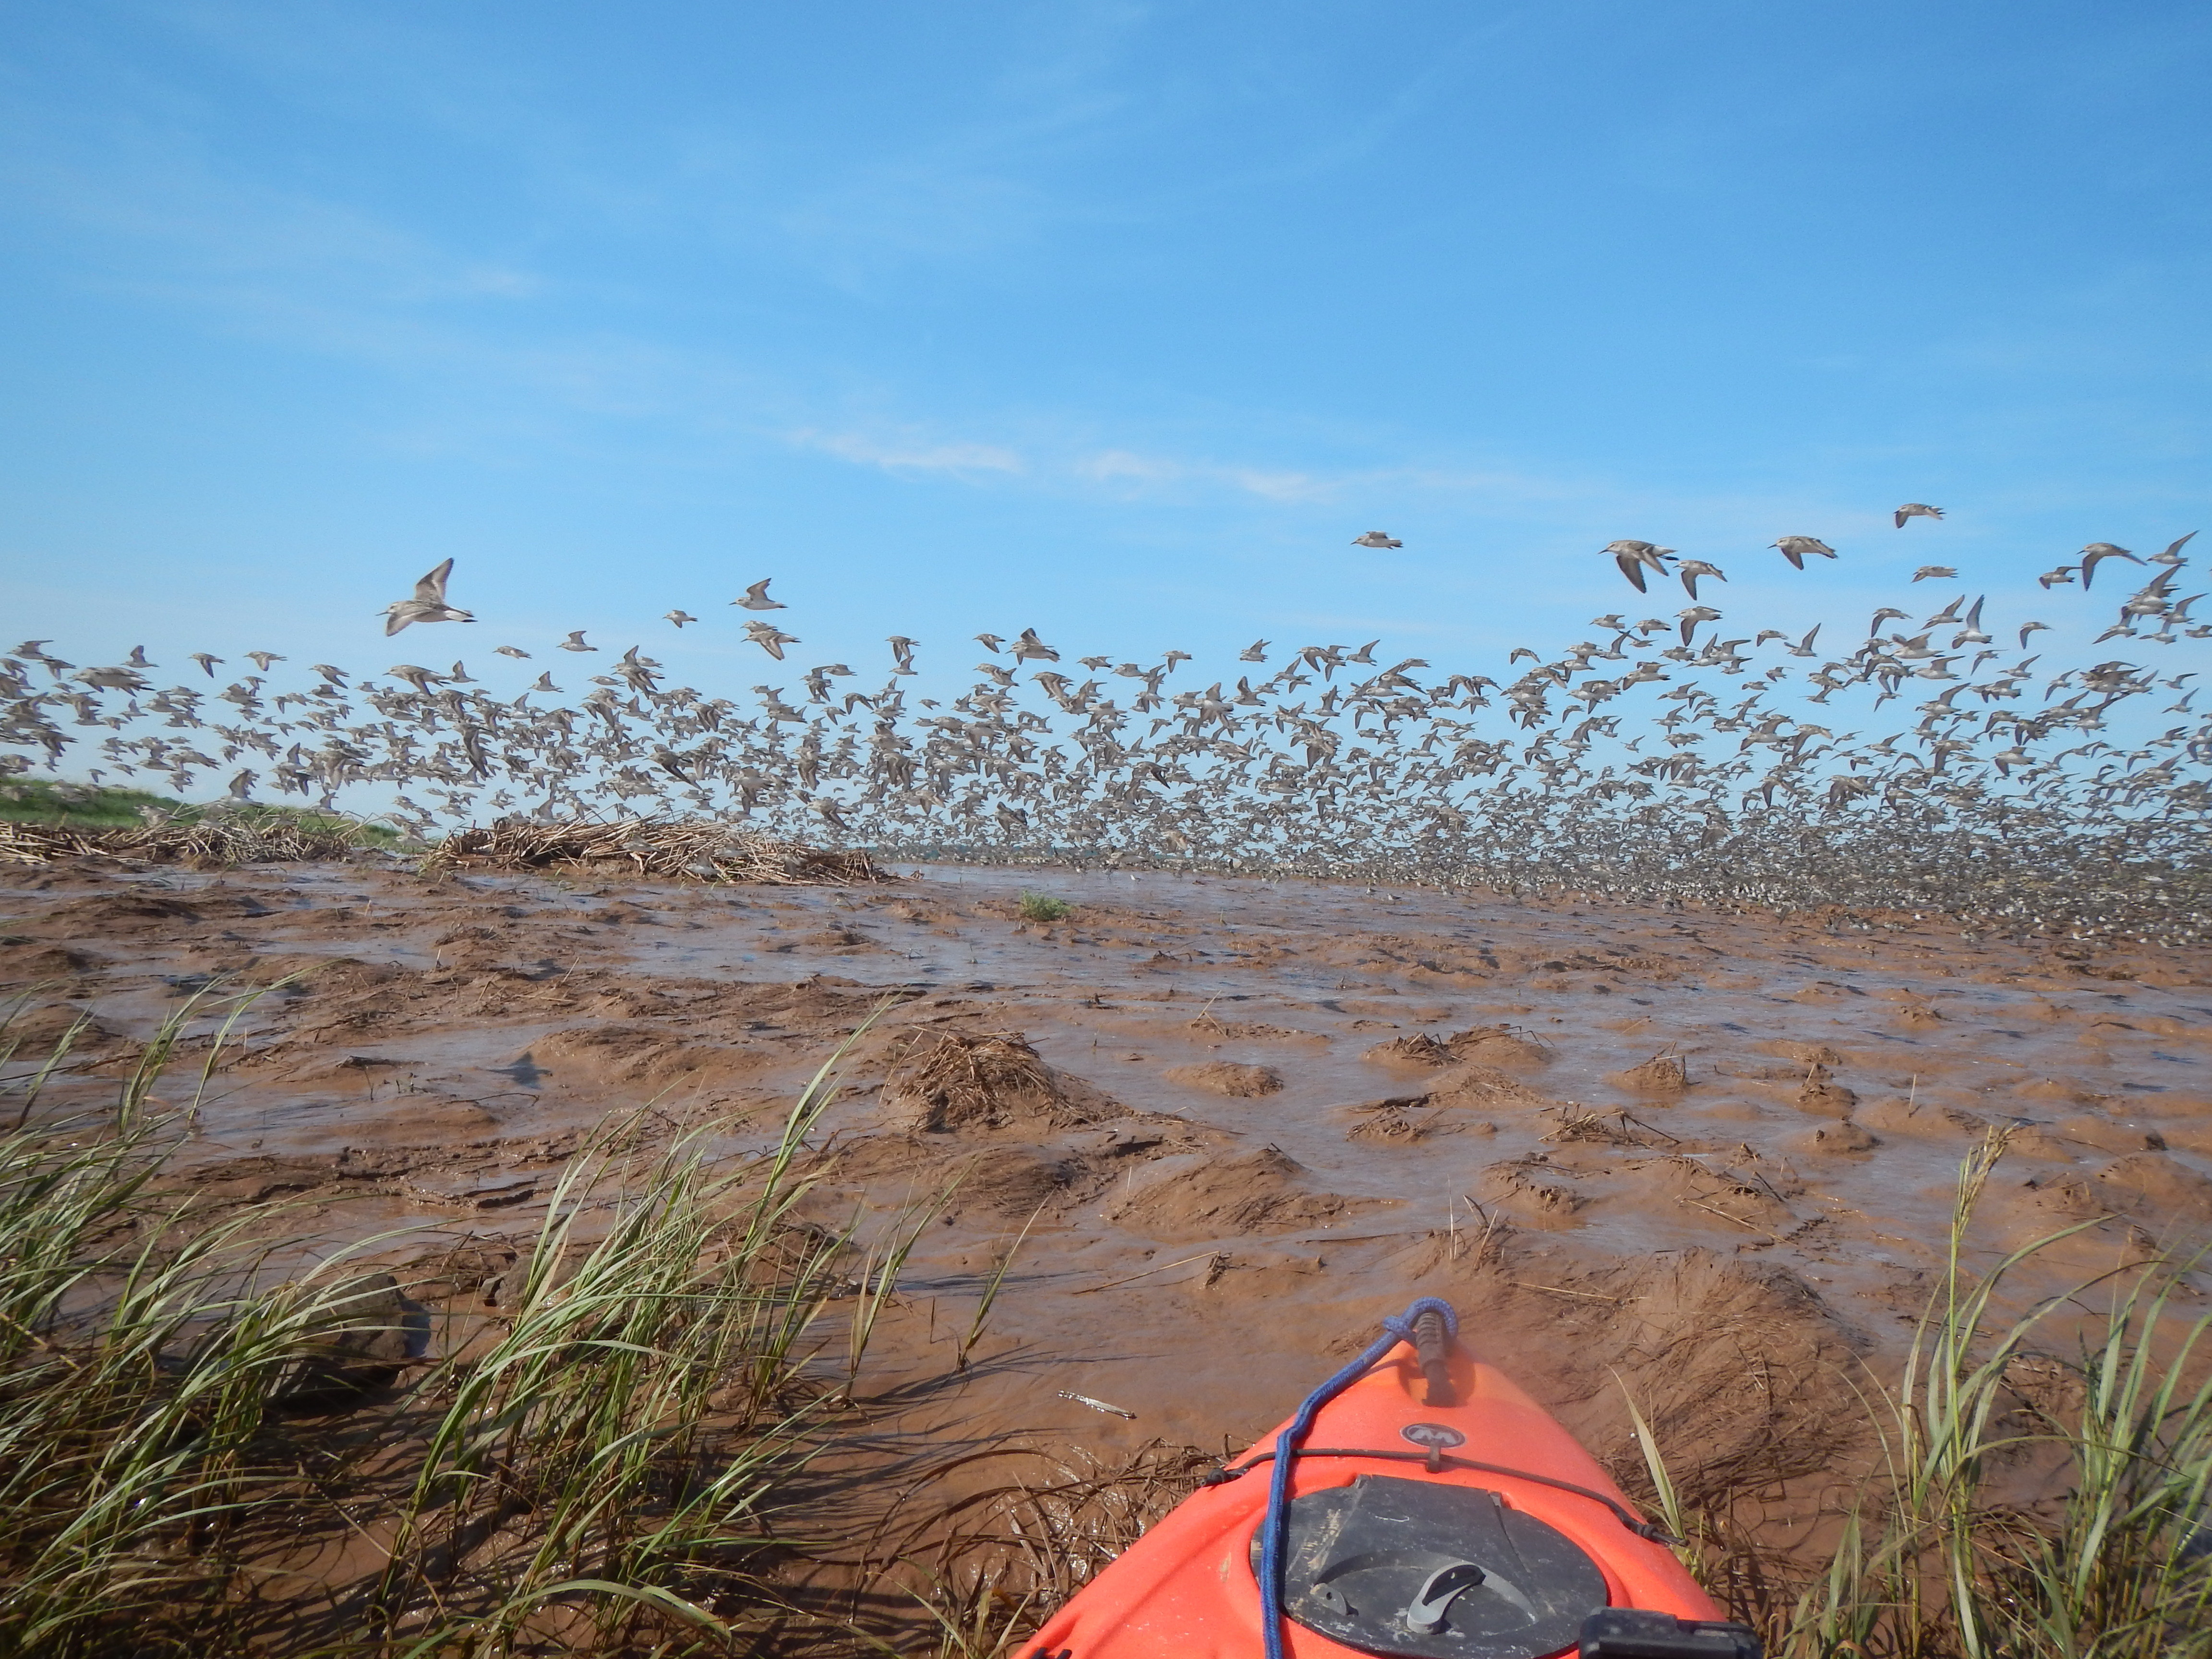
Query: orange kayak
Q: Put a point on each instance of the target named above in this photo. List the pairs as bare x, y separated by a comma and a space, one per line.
1431, 1511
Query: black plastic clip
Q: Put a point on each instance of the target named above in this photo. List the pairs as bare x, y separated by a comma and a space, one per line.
1639, 1633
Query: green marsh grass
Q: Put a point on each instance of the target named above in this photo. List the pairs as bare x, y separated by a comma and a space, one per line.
1939, 1558
588, 1468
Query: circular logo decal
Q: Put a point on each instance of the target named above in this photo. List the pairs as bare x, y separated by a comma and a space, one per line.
1433, 1436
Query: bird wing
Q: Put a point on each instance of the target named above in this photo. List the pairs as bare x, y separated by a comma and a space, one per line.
431, 590
1632, 568
395, 619
1901, 515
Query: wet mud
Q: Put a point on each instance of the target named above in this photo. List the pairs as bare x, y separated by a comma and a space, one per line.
1222, 1125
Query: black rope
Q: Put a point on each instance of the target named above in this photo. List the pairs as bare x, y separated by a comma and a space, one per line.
1437, 1461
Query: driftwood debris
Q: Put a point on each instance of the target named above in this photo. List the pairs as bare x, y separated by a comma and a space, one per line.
698, 849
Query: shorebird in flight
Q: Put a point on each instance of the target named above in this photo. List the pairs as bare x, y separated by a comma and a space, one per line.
1935, 573
2172, 555
1916, 510
428, 604
1795, 548
1690, 569
2097, 552
1376, 538
757, 597
1634, 556
770, 638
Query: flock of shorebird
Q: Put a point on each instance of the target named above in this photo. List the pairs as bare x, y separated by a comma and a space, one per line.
1558, 766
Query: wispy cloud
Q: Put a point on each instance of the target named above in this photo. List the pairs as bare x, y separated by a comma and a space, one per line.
911, 453
1128, 472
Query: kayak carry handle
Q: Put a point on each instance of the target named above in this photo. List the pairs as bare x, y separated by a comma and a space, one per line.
1432, 1342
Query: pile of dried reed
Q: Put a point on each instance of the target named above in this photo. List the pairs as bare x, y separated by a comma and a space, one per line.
973, 1081
700, 849
213, 840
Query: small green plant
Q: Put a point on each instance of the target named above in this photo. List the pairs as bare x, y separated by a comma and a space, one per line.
1043, 907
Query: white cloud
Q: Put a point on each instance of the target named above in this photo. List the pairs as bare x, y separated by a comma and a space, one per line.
1127, 470
911, 453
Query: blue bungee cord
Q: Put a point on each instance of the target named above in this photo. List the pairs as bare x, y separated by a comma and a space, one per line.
1274, 1530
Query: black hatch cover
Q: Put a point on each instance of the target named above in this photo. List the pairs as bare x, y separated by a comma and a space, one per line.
1428, 1571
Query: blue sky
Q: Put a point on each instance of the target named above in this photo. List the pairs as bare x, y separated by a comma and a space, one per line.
1116, 320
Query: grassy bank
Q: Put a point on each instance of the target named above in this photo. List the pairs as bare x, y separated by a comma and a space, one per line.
62, 804
208, 1448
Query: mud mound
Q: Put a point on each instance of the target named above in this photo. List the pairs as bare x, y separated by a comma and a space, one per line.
1845, 1137
976, 1082
2103, 1135
2154, 1187
1661, 1074
1010, 1180
34, 1032
1498, 1045
1740, 1369
1254, 1030
1744, 1374
1418, 1050
1742, 1198
1489, 1045
326, 976
636, 1055
1405, 1119
1805, 1054
1478, 1086
1530, 1191
1821, 1095
120, 913
1261, 1192
1227, 1077
60, 962
1617, 1128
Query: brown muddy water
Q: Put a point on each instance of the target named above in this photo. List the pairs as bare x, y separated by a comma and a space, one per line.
1712, 1156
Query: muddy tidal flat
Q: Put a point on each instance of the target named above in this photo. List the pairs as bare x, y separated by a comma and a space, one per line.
1239, 1120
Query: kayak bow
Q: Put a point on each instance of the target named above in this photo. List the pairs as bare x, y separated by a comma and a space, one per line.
1418, 1505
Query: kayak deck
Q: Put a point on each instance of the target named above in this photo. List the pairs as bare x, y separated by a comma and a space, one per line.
1480, 1528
